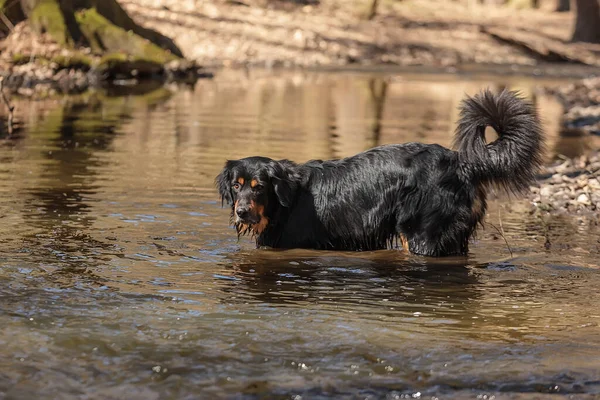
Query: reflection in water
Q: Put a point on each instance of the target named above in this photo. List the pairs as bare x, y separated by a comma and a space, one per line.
346, 279
65, 181
119, 277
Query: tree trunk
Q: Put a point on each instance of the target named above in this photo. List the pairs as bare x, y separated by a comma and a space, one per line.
378, 89
102, 25
587, 24
563, 6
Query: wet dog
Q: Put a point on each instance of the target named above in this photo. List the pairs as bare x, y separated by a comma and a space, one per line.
430, 197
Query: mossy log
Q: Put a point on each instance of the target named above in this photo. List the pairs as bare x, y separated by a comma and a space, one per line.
102, 25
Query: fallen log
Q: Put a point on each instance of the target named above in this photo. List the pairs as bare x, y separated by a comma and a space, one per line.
546, 48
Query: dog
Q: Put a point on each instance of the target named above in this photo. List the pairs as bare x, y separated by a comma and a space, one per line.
429, 197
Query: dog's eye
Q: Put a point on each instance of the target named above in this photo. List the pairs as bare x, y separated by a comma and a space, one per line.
236, 186
258, 187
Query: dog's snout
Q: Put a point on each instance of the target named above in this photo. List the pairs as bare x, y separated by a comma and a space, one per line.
242, 212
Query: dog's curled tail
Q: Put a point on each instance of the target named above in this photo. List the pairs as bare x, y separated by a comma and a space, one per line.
513, 159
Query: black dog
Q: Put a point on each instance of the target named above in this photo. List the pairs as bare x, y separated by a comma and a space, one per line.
431, 197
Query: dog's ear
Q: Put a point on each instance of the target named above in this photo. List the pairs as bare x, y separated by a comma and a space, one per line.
285, 181
223, 182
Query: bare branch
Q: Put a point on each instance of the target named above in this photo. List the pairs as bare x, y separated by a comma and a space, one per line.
501, 233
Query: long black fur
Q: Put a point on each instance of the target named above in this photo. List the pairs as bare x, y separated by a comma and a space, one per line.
431, 197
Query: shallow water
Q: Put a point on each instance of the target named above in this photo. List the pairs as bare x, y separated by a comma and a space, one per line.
119, 277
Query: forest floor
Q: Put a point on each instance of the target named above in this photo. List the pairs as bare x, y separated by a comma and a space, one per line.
411, 32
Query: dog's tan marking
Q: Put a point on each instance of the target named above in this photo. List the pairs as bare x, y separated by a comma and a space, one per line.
244, 227
404, 241
241, 181
258, 228
253, 183
478, 208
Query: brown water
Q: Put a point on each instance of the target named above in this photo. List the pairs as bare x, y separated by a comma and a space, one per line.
120, 279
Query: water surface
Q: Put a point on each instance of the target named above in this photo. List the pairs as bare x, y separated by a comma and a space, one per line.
119, 277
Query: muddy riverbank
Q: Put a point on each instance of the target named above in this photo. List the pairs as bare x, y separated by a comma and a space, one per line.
34, 65
571, 184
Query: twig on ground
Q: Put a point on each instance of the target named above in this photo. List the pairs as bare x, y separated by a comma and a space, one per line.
501, 233
6, 21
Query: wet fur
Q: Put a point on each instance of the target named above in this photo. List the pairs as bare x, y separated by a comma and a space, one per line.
430, 197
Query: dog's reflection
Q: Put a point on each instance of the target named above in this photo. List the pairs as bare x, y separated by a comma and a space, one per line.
392, 278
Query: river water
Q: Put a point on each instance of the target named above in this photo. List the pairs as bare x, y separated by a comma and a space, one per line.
120, 279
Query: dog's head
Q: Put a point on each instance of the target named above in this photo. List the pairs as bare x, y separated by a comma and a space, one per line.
255, 187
